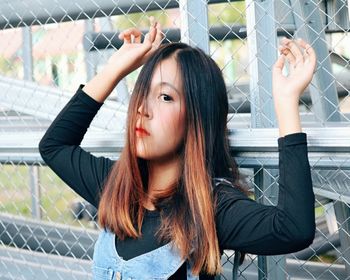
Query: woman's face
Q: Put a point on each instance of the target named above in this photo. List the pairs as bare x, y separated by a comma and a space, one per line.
160, 125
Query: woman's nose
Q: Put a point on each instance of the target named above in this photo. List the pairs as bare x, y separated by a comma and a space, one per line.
143, 110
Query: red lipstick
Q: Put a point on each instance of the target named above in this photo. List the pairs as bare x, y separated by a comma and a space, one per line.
141, 131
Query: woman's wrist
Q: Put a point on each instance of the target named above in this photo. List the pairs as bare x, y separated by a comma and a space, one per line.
112, 73
288, 123
288, 118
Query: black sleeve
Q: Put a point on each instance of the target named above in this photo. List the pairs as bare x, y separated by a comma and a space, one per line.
245, 225
61, 151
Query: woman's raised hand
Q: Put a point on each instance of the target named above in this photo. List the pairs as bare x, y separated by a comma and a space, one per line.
286, 90
128, 58
301, 58
134, 53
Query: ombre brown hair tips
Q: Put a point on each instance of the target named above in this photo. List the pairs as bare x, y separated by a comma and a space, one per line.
188, 207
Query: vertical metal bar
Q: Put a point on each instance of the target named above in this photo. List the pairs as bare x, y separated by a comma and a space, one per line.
121, 92
309, 26
342, 213
28, 75
337, 11
194, 23
27, 54
331, 219
262, 41
236, 265
35, 191
258, 190
266, 192
90, 56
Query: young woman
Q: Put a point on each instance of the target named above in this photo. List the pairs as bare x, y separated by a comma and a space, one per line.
172, 202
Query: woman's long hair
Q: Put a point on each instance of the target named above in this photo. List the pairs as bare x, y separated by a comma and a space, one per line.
188, 208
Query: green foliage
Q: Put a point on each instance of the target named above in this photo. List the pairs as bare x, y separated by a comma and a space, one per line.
55, 195
139, 20
218, 14
227, 13
10, 67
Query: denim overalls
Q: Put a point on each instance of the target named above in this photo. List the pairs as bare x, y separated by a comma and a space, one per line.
158, 264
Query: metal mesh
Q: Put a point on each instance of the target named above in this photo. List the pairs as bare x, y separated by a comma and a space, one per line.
49, 47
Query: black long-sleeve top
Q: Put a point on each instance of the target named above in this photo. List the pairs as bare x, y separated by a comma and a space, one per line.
241, 223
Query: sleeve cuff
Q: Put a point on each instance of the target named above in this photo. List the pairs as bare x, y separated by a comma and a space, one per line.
87, 99
292, 139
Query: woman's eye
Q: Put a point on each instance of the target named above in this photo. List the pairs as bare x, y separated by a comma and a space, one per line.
165, 97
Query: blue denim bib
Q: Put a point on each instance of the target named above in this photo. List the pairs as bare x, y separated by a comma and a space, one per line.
158, 264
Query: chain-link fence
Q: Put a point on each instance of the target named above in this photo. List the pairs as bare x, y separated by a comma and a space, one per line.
48, 47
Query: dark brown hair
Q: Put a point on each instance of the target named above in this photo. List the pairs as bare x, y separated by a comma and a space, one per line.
187, 208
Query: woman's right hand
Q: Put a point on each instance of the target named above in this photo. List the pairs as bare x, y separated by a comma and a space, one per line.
128, 58
134, 53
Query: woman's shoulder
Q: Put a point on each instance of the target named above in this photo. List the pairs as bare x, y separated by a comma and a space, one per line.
225, 187
217, 181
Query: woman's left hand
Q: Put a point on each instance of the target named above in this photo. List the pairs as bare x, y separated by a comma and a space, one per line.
301, 58
286, 90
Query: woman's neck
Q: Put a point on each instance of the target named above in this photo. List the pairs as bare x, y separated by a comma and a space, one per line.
161, 176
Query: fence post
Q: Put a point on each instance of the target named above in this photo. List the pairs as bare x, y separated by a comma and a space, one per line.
90, 56
28, 75
35, 191
262, 40
194, 23
342, 213
309, 26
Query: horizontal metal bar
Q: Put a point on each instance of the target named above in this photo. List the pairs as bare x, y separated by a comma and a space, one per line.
318, 161
328, 147
28, 264
16, 94
19, 13
24, 264
326, 140
319, 248
23, 13
105, 40
27, 97
93, 41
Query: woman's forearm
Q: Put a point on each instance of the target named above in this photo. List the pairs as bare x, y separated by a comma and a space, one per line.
101, 86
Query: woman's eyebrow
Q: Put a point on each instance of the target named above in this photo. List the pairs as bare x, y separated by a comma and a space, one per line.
169, 85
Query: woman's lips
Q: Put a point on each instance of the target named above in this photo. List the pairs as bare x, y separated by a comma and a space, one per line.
141, 132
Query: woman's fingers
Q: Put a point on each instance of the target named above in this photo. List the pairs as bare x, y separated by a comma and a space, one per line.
159, 35
151, 35
295, 51
130, 35
279, 64
133, 35
288, 54
137, 39
309, 52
